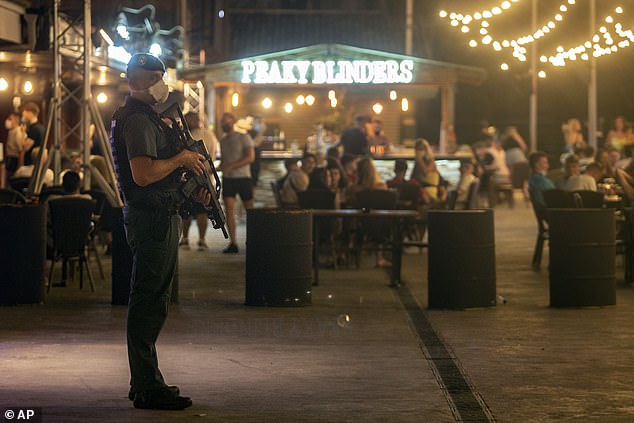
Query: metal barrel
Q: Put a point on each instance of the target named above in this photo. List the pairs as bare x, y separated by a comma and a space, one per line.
582, 257
279, 257
22, 253
461, 259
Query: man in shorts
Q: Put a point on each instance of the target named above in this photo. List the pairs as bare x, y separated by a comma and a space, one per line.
238, 153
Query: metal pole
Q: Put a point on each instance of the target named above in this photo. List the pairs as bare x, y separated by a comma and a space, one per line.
56, 110
592, 86
183, 22
409, 25
533, 99
87, 94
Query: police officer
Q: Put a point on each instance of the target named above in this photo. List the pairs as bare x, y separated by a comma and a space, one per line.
147, 163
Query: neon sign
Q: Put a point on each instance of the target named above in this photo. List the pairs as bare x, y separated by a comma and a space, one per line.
328, 72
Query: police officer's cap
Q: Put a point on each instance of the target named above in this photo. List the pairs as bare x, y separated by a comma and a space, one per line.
145, 61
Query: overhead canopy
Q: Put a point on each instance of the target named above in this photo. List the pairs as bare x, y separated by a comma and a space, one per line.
326, 64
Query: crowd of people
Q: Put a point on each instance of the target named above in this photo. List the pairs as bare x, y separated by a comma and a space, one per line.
608, 169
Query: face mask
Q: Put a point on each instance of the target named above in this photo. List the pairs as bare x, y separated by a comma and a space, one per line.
8, 124
159, 91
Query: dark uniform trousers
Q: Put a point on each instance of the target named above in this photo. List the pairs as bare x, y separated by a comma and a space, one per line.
154, 245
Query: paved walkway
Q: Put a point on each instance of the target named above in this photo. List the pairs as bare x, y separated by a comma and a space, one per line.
363, 352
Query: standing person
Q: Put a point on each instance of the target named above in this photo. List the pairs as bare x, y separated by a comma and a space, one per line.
35, 131
354, 140
199, 132
147, 165
573, 138
237, 154
15, 146
377, 136
618, 136
257, 135
514, 146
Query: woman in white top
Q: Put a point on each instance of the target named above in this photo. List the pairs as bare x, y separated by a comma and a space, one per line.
15, 144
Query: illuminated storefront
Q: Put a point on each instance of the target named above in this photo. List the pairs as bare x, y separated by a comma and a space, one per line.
295, 90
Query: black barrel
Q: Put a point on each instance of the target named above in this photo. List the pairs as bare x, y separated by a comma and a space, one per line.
22, 253
461, 257
582, 257
121, 259
279, 257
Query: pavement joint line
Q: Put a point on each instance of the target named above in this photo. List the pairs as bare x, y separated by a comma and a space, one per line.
463, 398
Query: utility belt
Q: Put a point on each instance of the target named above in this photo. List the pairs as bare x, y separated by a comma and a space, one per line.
160, 203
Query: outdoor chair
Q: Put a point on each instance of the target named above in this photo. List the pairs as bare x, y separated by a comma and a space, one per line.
375, 231
452, 199
20, 184
408, 196
503, 188
276, 194
101, 223
71, 224
559, 199
519, 178
48, 191
11, 196
473, 200
542, 231
328, 227
590, 199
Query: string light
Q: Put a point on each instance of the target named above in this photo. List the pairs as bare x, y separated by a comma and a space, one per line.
605, 41
610, 37
519, 51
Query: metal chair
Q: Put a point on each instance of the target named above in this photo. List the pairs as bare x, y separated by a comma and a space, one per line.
71, 222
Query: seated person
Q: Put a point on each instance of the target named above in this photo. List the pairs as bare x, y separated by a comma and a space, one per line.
400, 169
26, 171
573, 180
336, 182
593, 170
368, 178
290, 165
298, 180
426, 174
71, 187
349, 163
467, 177
538, 182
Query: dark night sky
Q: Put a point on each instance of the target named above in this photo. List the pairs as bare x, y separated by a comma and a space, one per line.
503, 99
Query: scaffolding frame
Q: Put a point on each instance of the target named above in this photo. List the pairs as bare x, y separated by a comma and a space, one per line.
72, 41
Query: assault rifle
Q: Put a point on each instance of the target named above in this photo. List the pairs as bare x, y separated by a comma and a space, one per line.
191, 182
